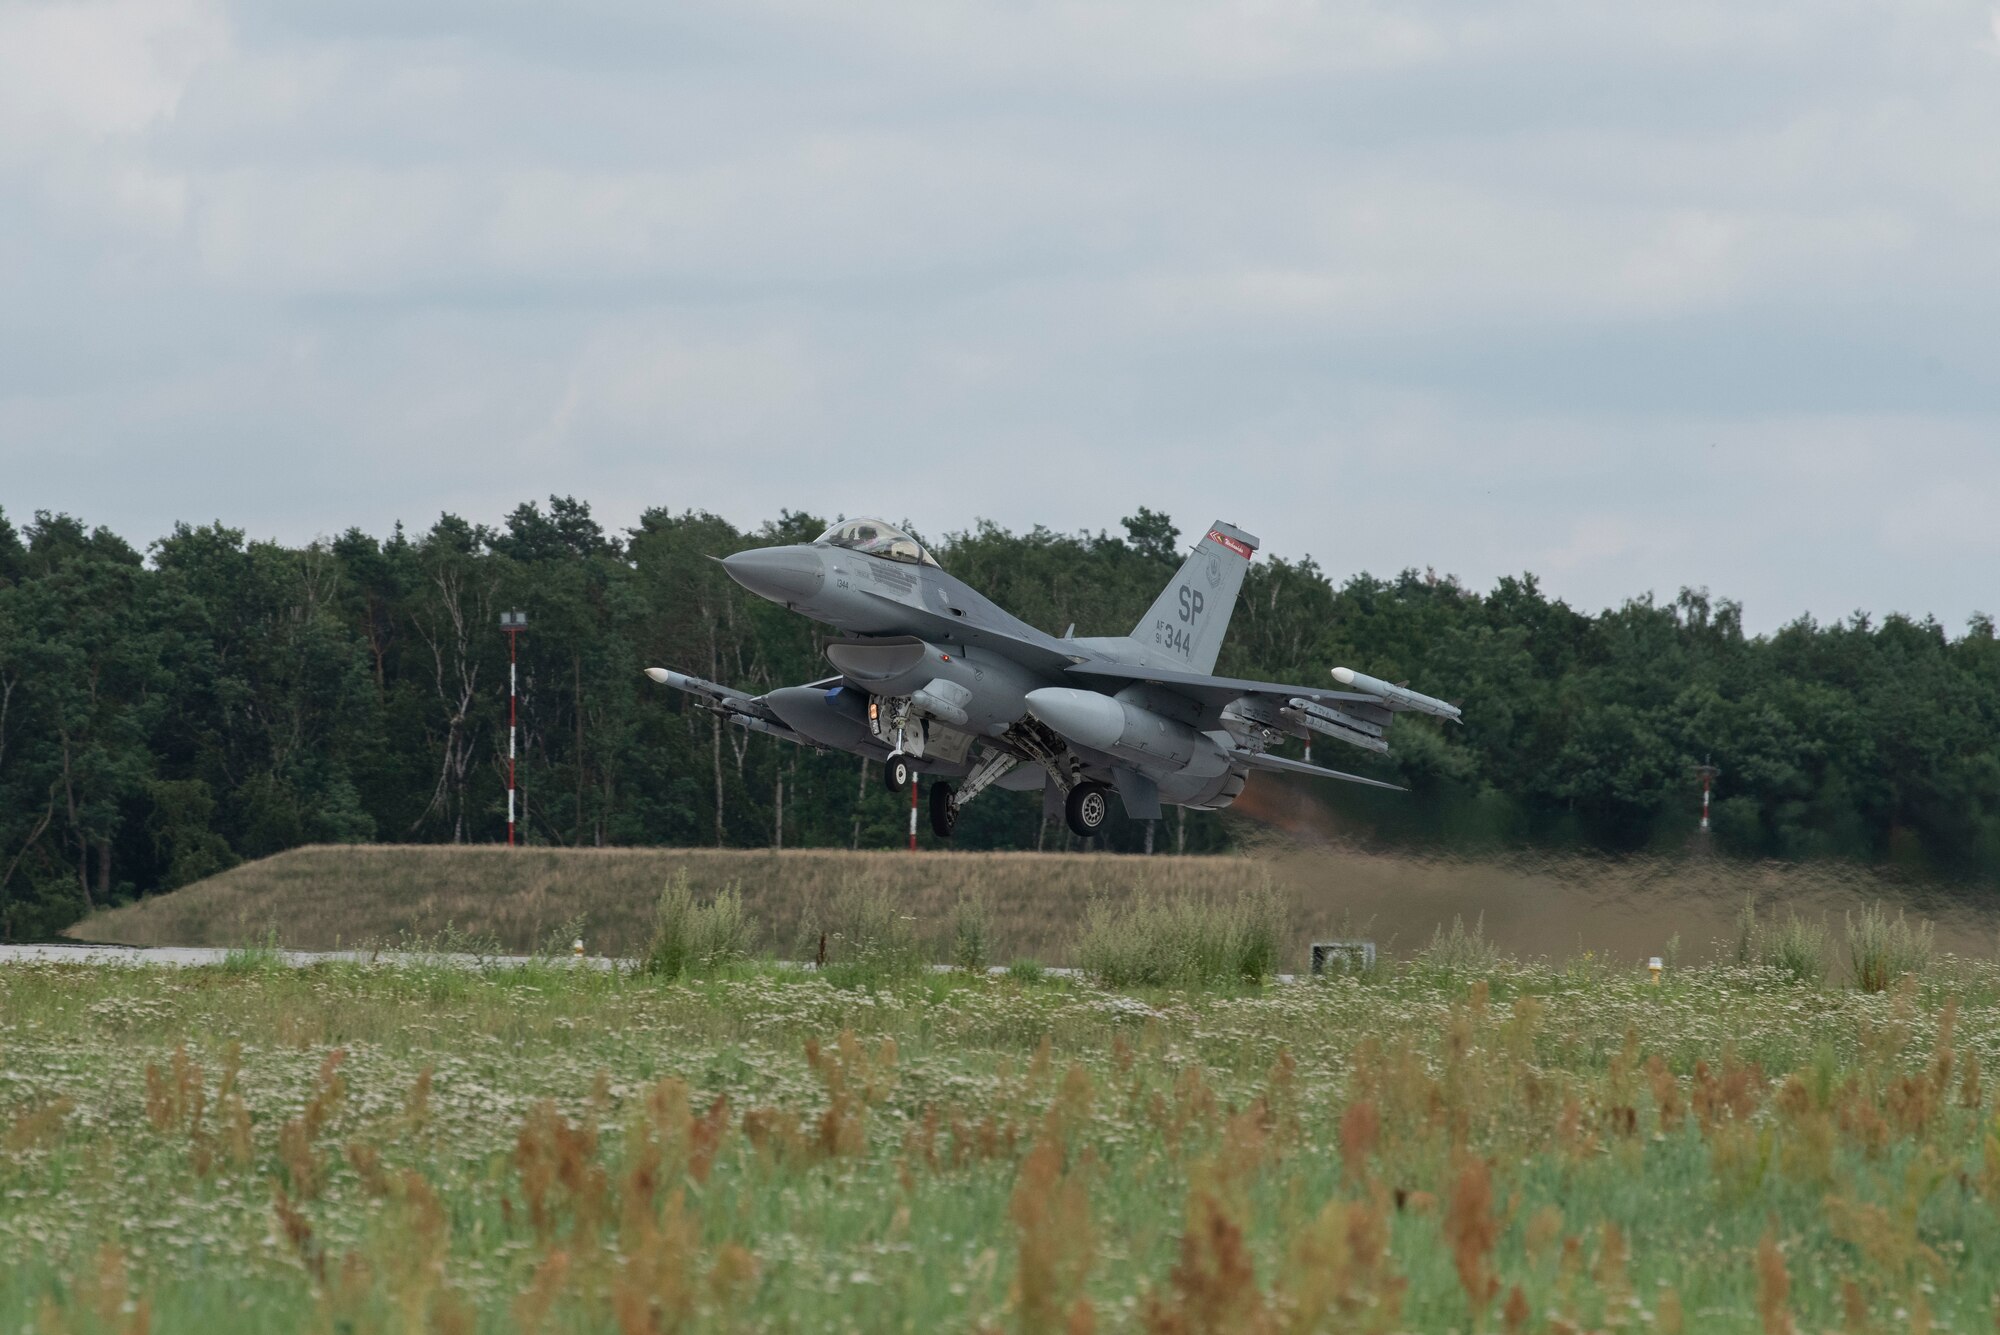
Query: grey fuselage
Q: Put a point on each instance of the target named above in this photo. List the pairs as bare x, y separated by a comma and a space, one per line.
919, 633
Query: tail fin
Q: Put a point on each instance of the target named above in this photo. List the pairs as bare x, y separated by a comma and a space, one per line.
1190, 618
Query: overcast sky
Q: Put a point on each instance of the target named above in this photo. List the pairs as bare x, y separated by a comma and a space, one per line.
1630, 296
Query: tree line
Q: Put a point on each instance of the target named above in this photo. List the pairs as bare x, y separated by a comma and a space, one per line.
166, 714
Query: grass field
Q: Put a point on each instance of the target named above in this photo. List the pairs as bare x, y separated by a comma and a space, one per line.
1498, 1147
327, 897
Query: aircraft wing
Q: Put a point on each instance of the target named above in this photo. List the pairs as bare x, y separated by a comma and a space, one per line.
1359, 716
1220, 691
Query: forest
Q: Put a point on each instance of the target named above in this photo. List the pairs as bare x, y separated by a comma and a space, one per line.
168, 713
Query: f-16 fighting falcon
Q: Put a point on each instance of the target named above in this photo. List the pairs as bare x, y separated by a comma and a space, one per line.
935, 678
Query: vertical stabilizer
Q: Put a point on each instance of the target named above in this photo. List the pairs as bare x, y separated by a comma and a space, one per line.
1187, 622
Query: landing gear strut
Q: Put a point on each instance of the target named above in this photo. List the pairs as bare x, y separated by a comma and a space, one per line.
896, 773
944, 810
1087, 807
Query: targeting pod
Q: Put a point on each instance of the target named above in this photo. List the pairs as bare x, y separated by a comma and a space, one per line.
1399, 696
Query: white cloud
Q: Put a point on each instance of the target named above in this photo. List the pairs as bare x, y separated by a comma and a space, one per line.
99, 68
1638, 296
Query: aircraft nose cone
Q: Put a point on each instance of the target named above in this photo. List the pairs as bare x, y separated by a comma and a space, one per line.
782, 574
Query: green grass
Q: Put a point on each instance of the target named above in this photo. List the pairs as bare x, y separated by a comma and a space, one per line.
1184, 940
572, 1149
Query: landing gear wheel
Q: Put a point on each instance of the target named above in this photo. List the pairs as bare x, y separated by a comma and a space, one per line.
1088, 808
944, 811
896, 773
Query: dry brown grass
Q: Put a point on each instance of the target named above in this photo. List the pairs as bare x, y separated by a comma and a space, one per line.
328, 897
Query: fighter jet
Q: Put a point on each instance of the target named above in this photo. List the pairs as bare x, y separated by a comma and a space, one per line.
935, 679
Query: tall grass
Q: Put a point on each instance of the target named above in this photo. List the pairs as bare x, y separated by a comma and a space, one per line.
1183, 940
1882, 949
1462, 949
256, 956
971, 931
1797, 947
870, 934
691, 938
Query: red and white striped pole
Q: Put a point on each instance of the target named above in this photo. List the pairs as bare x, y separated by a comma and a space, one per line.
513, 623
913, 811
1708, 774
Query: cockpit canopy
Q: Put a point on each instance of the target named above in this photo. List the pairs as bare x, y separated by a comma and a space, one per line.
876, 537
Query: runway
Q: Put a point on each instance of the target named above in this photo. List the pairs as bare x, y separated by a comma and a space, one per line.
196, 957
201, 957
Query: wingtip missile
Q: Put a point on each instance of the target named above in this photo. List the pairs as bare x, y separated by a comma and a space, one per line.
1394, 694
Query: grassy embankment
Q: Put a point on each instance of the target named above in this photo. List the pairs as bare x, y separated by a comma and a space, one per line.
1455, 1143
320, 898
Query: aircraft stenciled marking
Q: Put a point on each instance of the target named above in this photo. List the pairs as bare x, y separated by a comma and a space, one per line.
1191, 602
1242, 549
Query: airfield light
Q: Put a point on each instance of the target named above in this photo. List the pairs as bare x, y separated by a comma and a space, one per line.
1653, 967
513, 623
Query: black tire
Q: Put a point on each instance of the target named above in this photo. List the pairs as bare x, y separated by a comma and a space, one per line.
1088, 808
896, 773
944, 812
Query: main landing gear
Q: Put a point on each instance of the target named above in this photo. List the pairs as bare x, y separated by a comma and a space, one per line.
897, 776
1087, 807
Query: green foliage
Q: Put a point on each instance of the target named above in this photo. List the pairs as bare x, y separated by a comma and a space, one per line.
1026, 971
696, 939
164, 717
1183, 940
1882, 949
